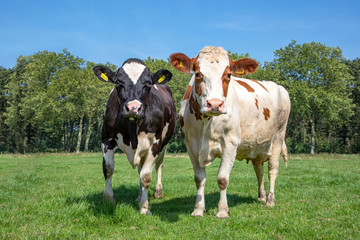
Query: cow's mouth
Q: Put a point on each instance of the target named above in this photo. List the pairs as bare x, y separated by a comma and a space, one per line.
132, 117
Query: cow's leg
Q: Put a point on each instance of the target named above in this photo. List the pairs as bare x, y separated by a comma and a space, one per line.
158, 191
227, 162
145, 179
273, 167
108, 169
140, 192
259, 170
200, 180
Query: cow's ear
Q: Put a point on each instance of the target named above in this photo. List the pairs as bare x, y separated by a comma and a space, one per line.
104, 74
162, 76
182, 62
243, 67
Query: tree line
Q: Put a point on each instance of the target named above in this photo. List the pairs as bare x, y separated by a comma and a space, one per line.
52, 102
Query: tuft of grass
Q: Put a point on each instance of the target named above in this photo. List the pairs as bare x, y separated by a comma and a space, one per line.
60, 196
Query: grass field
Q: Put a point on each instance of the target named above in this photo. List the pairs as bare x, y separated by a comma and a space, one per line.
59, 196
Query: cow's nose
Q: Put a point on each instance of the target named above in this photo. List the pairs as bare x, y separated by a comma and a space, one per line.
133, 107
215, 106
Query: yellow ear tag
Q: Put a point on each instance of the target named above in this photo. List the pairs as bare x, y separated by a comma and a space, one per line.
181, 65
240, 72
161, 79
104, 76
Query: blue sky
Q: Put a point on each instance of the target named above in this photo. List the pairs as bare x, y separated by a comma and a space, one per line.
101, 31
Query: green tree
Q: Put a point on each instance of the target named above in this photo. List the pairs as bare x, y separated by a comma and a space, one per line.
4, 80
351, 138
317, 80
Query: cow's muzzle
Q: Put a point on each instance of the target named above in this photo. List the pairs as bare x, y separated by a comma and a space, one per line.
133, 110
214, 107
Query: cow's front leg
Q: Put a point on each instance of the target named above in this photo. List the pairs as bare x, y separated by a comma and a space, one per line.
108, 170
259, 170
227, 162
158, 191
140, 191
200, 180
145, 179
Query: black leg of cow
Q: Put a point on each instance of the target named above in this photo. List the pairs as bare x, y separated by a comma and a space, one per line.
108, 170
158, 191
259, 170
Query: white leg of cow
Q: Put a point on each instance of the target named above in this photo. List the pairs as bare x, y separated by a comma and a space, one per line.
108, 170
259, 170
140, 191
145, 178
200, 180
158, 191
273, 173
227, 162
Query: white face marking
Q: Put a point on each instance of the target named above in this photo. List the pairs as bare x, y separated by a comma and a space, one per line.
212, 63
134, 70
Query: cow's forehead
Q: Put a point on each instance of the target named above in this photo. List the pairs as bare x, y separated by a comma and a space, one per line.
134, 70
213, 60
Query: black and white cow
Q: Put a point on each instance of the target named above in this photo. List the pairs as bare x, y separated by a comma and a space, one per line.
140, 120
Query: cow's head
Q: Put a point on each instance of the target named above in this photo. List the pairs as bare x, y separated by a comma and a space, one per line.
133, 83
212, 70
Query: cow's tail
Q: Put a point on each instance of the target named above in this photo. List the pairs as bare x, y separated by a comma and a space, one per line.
284, 153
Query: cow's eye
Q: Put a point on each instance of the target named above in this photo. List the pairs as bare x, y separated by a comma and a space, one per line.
197, 75
229, 75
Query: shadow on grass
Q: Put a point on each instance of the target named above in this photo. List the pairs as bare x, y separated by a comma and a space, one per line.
167, 210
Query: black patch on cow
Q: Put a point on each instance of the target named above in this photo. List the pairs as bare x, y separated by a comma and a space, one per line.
104, 168
109, 144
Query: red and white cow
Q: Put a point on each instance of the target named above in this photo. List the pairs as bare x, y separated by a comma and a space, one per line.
231, 118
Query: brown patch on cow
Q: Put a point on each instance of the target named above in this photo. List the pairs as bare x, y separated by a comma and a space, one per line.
222, 183
256, 103
197, 182
245, 85
259, 84
145, 180
226, 80
198, 82
266, 113
187, 93
194, 108
181, 120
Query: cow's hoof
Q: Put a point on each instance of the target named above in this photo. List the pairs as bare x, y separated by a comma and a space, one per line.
222, 214
158, 193
108, 198
145, 211
198, 213
271, 200
262, 199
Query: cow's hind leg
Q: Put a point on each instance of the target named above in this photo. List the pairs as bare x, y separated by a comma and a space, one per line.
108, 168
273, 168
158, 191
259, 170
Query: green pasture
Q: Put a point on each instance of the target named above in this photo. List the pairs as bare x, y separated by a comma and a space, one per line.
59, 196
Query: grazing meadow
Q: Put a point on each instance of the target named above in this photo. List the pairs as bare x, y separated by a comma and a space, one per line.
59, 196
